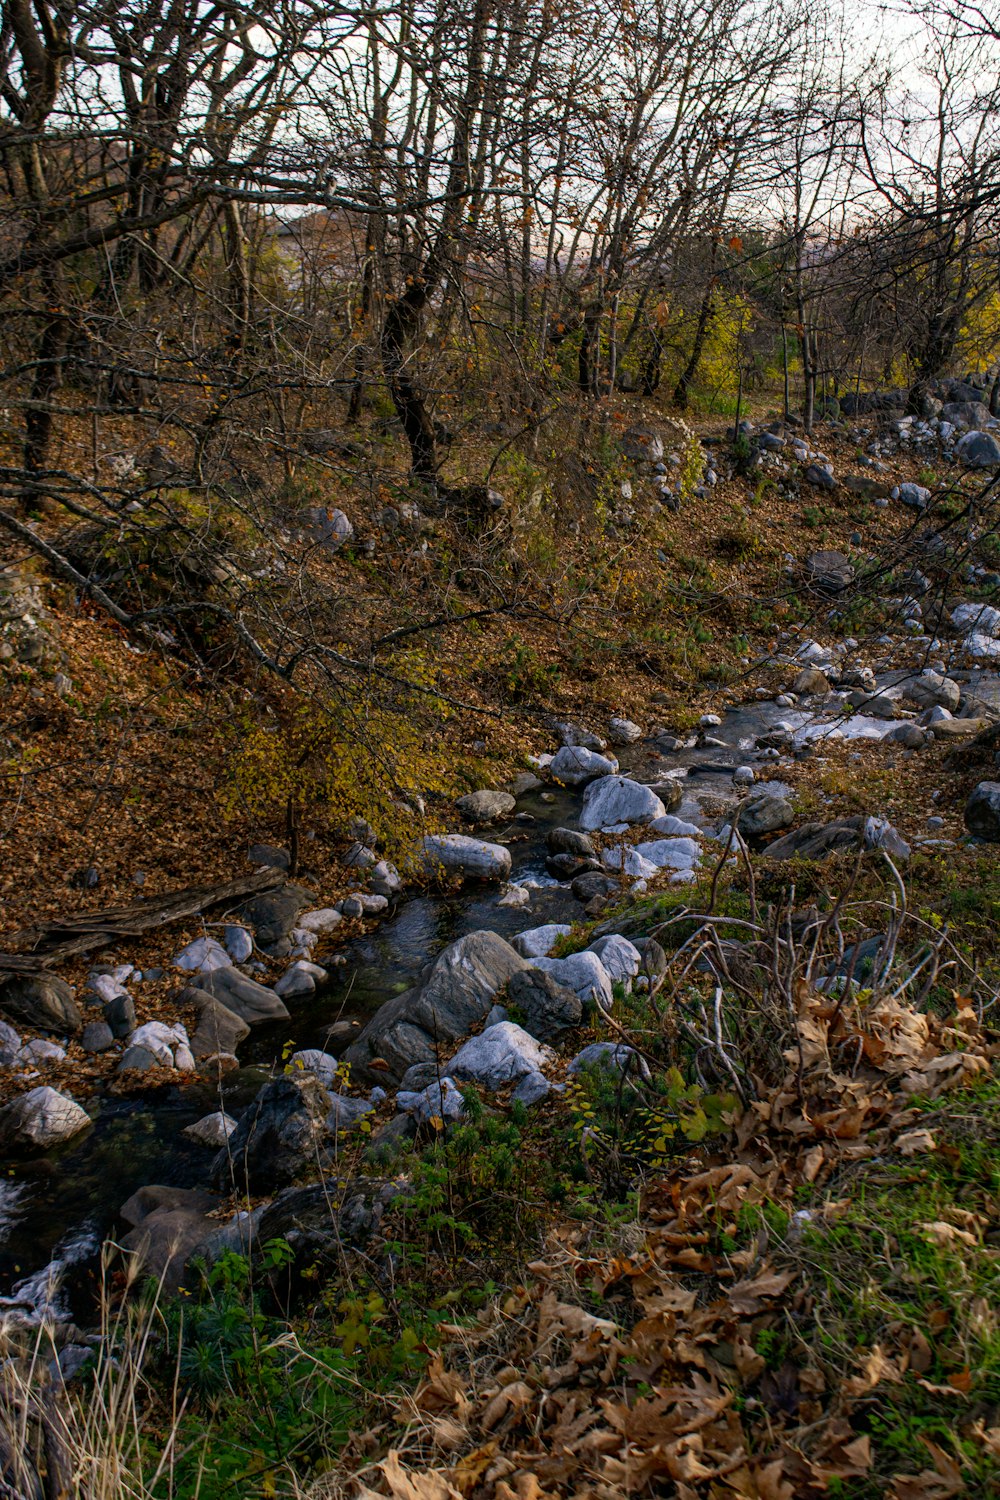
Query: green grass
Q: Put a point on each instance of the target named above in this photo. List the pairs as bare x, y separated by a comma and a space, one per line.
878, 1276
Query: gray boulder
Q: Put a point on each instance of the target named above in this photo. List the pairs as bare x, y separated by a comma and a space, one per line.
502, 1055
10, 1045
817, 840
594, 886
346, 1113
324, 919
611, 1057
931, 690
312, 1060
880, 834
218, 1031
273, 914
574, 766
538, 942
577, 734
141, 1059
326, 527
617, 799
820, 478
239, 943
982, 811
385, 879
764, 814
569, 841
624, 732
621, 959
486, 806
301, 978
39, 1120
203, 955
170, 1224
457, 854
212, 1130
829, 571
966, 413
269, 857
532, 1089
119, 1013
457, 996
913, 495
41, 1000
440, 1099
320, 1226
981, 619
278, 1136
97, 1036
978, 450
584, 974
811, 682
254, 1003
910, 736
41, 1051
670, 854
643, 444
547, 1007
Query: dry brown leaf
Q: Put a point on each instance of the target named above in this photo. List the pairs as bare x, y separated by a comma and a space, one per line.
771, 1483
812, 1163
941, 1233
939, 1483
441, 1389
746, 1296
876, 1368
566, 1318
429, 1484
989, 1437
921, 1354
857, 1456
470, 1469
749, 1364
526, 1488
915, 1142
447, 1434
513, 1398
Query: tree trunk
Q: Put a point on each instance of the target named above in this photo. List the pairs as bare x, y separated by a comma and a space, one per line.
649, 381
47, 378
589, 363
705, 314
418, 428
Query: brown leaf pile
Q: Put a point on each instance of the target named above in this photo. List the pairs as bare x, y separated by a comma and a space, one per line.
668, 1395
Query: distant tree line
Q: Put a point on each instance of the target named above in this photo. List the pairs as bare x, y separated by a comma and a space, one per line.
524, 199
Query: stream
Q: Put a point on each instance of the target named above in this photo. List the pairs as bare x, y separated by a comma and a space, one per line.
57, 1209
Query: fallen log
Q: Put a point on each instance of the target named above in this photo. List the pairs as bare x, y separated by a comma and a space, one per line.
61, 937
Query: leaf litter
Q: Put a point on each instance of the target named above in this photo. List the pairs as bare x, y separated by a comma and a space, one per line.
672, 1394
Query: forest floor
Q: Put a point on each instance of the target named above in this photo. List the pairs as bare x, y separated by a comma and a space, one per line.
801, 1300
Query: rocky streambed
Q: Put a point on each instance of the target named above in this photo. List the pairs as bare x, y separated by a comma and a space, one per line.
416, 1005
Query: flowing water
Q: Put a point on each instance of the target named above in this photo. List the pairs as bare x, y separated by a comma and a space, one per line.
62, 1205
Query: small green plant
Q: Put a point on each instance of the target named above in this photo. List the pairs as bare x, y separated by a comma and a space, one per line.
521, 674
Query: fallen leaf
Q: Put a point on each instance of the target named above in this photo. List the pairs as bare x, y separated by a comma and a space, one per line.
746, 1296
941, 1233
876, 1368
939, 1483
513, 1398
914, 1142
771, 1485
429, 1484
920, 1352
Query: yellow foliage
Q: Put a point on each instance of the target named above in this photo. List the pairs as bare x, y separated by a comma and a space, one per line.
374, 753
979, 340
